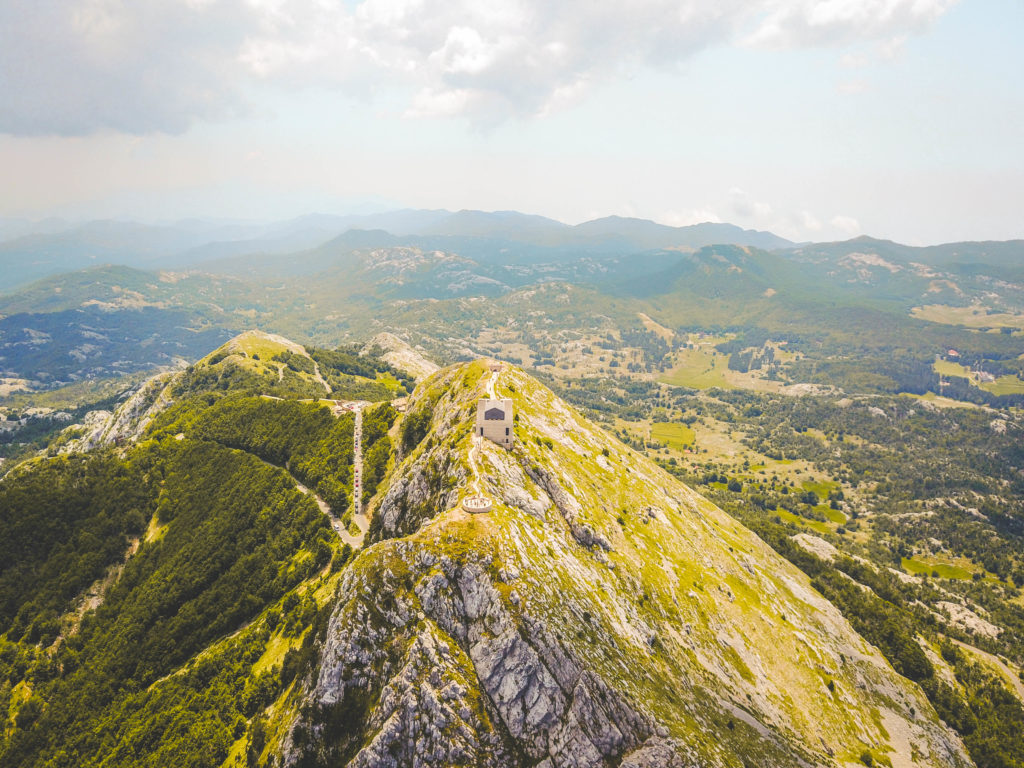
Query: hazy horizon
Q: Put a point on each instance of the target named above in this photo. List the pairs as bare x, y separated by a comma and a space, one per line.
816, 121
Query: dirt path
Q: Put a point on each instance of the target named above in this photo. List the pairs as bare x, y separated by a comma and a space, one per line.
318, 377
339, 527
474, 451
336, 523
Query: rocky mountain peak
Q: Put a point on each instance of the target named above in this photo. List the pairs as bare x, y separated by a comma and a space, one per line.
601, 613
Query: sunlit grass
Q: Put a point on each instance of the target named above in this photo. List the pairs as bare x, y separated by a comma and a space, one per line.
698, 369
673, 434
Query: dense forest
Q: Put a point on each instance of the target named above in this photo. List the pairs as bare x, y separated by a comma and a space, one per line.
224, 537
155, 599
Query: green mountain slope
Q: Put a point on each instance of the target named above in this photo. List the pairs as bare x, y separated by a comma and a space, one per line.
186, 593
154, 597
602, 613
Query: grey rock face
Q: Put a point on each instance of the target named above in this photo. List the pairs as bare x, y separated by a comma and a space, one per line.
568, 506
130, 419
431, 483
424, 718
474, 682
655, 753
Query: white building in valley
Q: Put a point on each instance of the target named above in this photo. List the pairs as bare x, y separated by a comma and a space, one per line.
494, 421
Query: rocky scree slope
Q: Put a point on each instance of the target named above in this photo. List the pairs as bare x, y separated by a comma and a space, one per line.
602, 614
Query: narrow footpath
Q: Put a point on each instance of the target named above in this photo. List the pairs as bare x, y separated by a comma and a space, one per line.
320, 379
474, 452
360, 519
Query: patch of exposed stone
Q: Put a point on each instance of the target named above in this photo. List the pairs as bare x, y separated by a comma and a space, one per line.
466, 645
965, 618
430, 483
128, 421
400, 355
816, 546
567, 505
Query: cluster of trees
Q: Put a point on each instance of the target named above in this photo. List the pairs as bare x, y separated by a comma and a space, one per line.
61, 526
756, 338
603, 398
356, 376
377, 446
892, 371
225, 374
304, 438
656, 350
752, 359
232, 536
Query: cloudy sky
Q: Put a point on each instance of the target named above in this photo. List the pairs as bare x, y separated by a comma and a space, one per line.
817, 120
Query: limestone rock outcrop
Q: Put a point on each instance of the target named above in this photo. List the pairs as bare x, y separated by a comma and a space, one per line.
602, 614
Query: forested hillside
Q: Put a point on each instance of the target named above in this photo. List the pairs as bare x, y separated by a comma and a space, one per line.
154, 598
164, 596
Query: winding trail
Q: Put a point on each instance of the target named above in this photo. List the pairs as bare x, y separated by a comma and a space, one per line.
474, 452
1011, 678
317, 375
361, 520
339, 527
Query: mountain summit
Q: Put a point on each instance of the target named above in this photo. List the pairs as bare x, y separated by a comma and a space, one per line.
601, 613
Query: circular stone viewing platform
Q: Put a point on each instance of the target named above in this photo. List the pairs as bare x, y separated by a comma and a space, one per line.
477, 504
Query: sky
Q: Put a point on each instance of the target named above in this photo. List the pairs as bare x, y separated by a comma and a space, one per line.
815, 120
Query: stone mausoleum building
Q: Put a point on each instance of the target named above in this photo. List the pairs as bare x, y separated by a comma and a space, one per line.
494, 421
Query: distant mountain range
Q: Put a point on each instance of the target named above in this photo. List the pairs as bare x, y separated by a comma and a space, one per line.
54, 247
100, 306
499, 239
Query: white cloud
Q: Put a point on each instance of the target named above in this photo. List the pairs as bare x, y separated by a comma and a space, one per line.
82, 66
846, 224
807, 221
113, 65
830, 22
747, 208
853, 87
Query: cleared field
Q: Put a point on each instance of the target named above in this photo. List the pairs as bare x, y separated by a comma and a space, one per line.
832, 515
1004, 385
939, 401
698, 369
673, 434
821, 487
930, 565
813, 525
949, 368
655, 327
971, 317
